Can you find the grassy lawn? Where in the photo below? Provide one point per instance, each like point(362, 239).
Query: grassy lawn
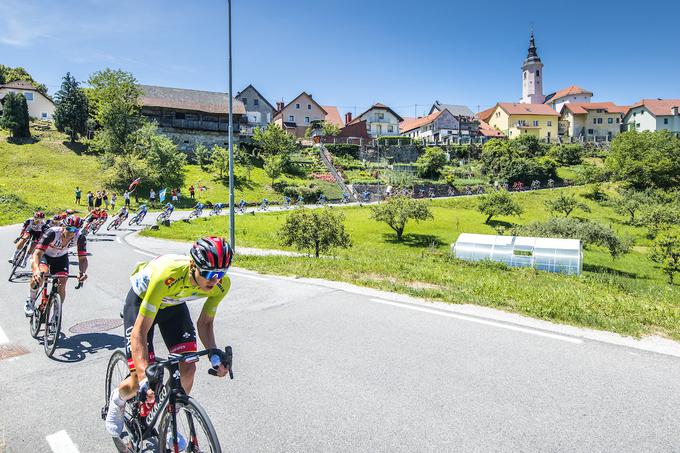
point(627, 295)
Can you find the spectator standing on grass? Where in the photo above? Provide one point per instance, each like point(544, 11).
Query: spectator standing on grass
point(90, 200)
point(113, 202)
point(98, 200)
point(78, 193)
point(126, 196)
point(173, 193)
point(152, 198)
point(191, 192)
point(179, 194)
point(105, 198)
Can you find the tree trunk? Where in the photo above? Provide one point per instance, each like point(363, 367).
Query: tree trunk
point(488, 218)
point(316, 246)
point(400, 232)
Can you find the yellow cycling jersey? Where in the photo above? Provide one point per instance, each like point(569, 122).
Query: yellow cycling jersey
point(165, 281)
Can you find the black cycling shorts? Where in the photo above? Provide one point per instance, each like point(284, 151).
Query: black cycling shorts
point(57, 265)
point(35, 235)
point(174, 322)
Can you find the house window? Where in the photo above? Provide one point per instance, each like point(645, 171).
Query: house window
point(291, 118)
point(297, 106)
point(306, 120)
point(590, 131)
point(368, 127)
point(179, 116)
point(255, 102)
point(390, 128)
point(617, 120)
point(549, 123)
point(610, 120)
point(599, 121)
point(29, 96)
point(637, 125)
point(538, 73)
point(665, 121)
point(381, 116)
point(594, 120)
point(43, 115)
point(525, 75)
point(309, 106)
point(245, 101)
point(535, 123)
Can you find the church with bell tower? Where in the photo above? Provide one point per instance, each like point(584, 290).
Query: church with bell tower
point(532, 76)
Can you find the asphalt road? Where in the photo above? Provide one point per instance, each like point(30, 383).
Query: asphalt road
point(323, 367)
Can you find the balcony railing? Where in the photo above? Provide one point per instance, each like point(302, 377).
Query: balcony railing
point(198, 125)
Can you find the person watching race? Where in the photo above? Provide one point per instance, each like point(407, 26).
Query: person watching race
point(160, 290)
point(33, 229)
point(51, 257)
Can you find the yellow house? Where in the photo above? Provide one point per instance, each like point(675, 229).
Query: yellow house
point(515, 119)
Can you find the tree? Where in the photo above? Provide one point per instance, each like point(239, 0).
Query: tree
point(397, 211)
point(71, 112)
point(666, 252)
point(273, 167)
point(114, 97)
point(630, 201)
point(203, 156)
point(567, 153)
point(528, 146)
point(565, 204)
point(646, 159)
point(164, 162)
point(496, 203)
point(15, 115)
point(431, 163)
point(220, 161)
point(317, 231)
point(659, 217)
point(327, 129)
point(274, 140)
point(8, 75)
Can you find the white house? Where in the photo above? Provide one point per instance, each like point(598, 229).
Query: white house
point(573, 93)
point(654, 115)
point(380, 120)
point(39, 105)
point(435, 128)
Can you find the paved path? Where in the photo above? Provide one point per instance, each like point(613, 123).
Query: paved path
point(324, 366)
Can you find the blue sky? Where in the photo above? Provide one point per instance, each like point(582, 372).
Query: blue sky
point(354, 53)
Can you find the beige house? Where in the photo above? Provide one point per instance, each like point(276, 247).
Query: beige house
point(591, 120)
point(515, 119)
point(39, 106)
point(299, 114)
point(380, 120)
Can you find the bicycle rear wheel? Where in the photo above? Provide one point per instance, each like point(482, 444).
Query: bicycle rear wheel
point(116, 371)
point(52, 324)
point(18, 260)
point(193, 424)
point(35, 321)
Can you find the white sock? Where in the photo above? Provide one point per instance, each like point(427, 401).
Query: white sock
point(116, 399)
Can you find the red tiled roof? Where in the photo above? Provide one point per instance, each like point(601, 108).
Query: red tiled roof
point(515, 108)
point(658, 106)
point(569, 91)
point(489, 131)
point(580, 108)
point(333, 115)
point(486, 114)
point(415, 123)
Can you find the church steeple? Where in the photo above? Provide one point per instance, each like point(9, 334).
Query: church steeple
point(532, 78)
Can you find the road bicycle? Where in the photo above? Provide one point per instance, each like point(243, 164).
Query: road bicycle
point(264, 206)
point(165, 215)
point(217, 209)
point(172, 412)
point(118, 221)
point(21, 258)
point(137, 218)
point(97, 225)
point(48, 310)
point(196, 213)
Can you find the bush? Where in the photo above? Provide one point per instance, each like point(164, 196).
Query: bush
point(589, 232)
point(587, 173)
point(527, 170)
point(307, 193)
point(666, 253)
point(343, 150)
point(387, 140)
point(659, 217)
point(567, 154)
point(431, 163)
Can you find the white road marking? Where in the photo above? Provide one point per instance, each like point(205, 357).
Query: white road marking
point(239, 274)
point(60, 442)
point(3, 337)
point(482, 321)
point(118, 240)
point(144, 253)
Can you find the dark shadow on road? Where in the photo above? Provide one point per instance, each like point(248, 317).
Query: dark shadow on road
point(78, 347)
point(415, 240)
point(100, 239)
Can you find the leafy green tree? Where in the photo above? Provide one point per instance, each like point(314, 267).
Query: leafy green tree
point(244, 158)
point(203, 156)
point(666, 253)
point(273, 140)
point(659, 217)
point(587, 173)
point(646, 159)
point(499, 202)
point(114, 98)
point(15, 115)
point(565, 204)
point(327, 129)
point(220, 161)
point(567, 153)
point(631, 201)
point(273, 167)
point(71, 112)
point(8, 75)
point(528, 146)
point(397, 211)
point(431, 163)
point(317, 231)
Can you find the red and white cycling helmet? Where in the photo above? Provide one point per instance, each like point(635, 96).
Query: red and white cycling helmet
point(39, 215)
point(212, 253)
point(72, 221)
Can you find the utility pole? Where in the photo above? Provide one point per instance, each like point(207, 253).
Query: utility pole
point(232, 239)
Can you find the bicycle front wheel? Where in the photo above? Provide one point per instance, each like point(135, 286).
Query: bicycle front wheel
point(36, 320)
point(18, 260)
point(116, 372)
point(193, 426)
point(52, 324)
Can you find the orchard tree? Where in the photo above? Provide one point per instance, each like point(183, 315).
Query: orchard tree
point(273, 167)
point(397, 211)
point(565, 204)
point(431, 163)
point(219, 158)
point(631, 201)
point(315, 231)
point(203, 156)
point(15, 115)
point(666, 253)
point(273, 140)
point(499, 202)
point(71, 112)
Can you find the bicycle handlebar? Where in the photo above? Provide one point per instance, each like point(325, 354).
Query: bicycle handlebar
point(50, 276)
point(225, 356)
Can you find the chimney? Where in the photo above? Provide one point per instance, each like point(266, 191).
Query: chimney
point(279, 106)
point(348, 117)
point(674, 110)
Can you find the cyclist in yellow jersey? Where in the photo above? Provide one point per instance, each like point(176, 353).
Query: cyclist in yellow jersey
point(159, 291)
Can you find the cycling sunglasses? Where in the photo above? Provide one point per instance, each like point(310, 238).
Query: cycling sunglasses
point(209, 275)
point(72, 229)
